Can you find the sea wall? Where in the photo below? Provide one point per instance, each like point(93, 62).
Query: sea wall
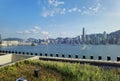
point(4, 59)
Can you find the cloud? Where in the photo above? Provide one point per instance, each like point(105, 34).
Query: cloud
point(63, 34)
point(69, 10)
point(57, 7)
point(27, 32)
point(37, 28)
point(79, 10)
point(44, 12)
point(75, 9)
point(45, 33)
point(52, 8)
point(94, 9)
point(63, 11)
point(55, 3)
point(34, 30)
point(24, 32)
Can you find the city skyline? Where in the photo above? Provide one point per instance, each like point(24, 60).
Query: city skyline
point(57, 18)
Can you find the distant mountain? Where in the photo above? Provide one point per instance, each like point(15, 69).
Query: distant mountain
point(31, 39)
point(115, 33)
point(13, 39)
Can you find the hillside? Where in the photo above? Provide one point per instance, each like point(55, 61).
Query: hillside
point(13, 39)
point(115, 33)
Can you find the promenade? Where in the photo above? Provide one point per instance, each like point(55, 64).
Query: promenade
point(101, 63)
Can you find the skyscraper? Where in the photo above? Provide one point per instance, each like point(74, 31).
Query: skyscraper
point(83, 35)
point(104, 37)
point(0, 39)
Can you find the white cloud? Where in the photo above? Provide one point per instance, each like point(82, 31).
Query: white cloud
point(27, 32)
point(69, 10)
point(63, 11)
point(79, 10)
point(97, 8)
point(24, 32)
point(51, 1)
point(52, 8)
point(93, 9)
point(86, 12)
point(37, 28)
point(55, 3)
point(34, 30)
point(44, 12)
point(45, 33)
point(63, 34)
point(54, 11)
point(55, 7)
point(74, 9)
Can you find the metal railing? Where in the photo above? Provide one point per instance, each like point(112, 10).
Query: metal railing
point(76, 56)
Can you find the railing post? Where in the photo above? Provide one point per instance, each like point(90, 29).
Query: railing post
point(46, 54)
point(23, 53)
point(19, 52)
point(3, 51)
point(9, 51)
point(51, 55)
point(57, 55)
point(63, 55)
point(118, 58)
point(76, 56)
point(31, 53)
point(108, 58)
point(26, 53)
point(15, 52)
point(69, 56)
point(84, 57)
point(40, 54)
point(91, 57)
point(36, 54)
point(99, 57)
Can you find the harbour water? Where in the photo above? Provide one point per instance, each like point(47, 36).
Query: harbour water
point(89, 50)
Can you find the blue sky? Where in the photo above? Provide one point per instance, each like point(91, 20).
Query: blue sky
point(57, 18)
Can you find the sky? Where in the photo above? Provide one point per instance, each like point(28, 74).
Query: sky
point(57, 18)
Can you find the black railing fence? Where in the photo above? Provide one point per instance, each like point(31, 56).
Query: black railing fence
point(76, 56)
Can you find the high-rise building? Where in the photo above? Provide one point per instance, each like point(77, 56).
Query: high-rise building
point(104, 37)
point(0, 39)
point(87, 39)
point(97, 39)
point(83, 35)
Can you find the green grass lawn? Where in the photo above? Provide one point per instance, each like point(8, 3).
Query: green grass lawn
point(57, 71)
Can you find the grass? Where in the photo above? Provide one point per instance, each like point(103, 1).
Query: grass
point(57, 71)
